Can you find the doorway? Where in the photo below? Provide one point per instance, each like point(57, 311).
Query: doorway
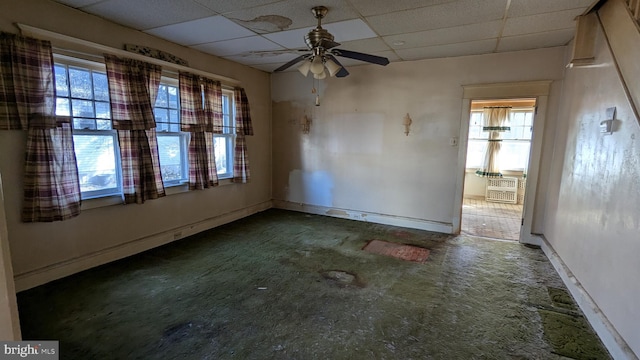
point(533, 202)
point(497, 159)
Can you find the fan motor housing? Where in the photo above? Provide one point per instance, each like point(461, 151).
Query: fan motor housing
point(318, 38)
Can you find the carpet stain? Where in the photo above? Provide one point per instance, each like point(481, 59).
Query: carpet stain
point(342, 278)
point(289, 285)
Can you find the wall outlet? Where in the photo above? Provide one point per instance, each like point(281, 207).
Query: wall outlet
point(453, 141)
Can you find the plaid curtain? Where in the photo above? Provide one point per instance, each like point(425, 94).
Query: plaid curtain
point(198, 116)
point(27, 102)
point(133, 88)
point(244, 127)
point(496, 120)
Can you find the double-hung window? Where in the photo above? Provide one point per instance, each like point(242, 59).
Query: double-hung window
point(223, 143)
point(82, 92)
point(172, 143)
point(515, 145)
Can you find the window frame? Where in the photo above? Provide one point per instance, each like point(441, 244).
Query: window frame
point(229, 134)
point(183, 136)
point(92, 67)
point(96, 64)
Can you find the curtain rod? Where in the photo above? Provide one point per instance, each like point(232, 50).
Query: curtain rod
point(28, 30)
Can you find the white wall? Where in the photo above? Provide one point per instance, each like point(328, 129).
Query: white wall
point(592, 218)
point(358, 159)
point(91, 238)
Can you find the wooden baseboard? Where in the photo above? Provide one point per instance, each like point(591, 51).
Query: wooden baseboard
point(56, 271)
point(610, 337)
point(385, 219)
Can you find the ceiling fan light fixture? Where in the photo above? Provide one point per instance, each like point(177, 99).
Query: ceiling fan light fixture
point(304, 68)
point(320, 76)
point(317, 67)
point(332, 67)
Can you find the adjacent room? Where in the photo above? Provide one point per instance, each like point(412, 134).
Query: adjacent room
point(496, 167)
point(352, 179)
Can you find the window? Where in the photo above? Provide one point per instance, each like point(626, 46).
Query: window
point(514, 152)
point(172, 143)
point(223, 143)
point(82, 92)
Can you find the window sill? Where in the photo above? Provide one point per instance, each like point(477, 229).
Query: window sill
point(504, 172)
point(99, 202)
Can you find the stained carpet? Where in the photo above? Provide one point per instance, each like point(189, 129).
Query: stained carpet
point(399, 251)
point(286, 285)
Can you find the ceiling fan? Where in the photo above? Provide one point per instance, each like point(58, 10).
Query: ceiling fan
point(323, 52)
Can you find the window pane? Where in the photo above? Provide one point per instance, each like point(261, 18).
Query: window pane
point(103, 111)
point(173, 97)
point(174, 128)
point(161, 115)
point(103, 124)
point(62, 107)
point(82, 108)
point(95, 156)
point(514, 155)
point(517, 119)
point(173, 117)
point(170, 152)
point(161, 100)
point(100, 86)
point(62, 86)
point(220, 151)
point(80, 83)
point(528, 119)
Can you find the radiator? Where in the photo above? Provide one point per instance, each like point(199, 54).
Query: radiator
point(503, 190)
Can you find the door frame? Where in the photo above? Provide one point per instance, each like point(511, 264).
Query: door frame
point(530, 89)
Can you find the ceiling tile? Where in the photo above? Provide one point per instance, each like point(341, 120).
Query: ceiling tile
point(78, 3)
point(238, 46)
point(534, 41)
point(365, 45)
point(147, 14)
point(376, 7)
point(528, 7)
point(270, 67)
point(541, 22)
point(298, 14)
point(201, 31)
point(265, 58)
point(460, 49)
point(451, 14)
point(224, 6)
point(342, 31)
point(443, 36)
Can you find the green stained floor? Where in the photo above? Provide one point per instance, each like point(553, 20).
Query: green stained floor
point(287, 285)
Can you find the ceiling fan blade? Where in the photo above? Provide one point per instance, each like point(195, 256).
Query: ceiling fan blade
point(292, 62)
point(343, 71)
point(361, 56)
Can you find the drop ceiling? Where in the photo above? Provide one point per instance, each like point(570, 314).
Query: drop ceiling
point(259, 33)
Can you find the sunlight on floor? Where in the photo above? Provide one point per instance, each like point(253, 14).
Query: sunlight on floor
point(491, 219)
